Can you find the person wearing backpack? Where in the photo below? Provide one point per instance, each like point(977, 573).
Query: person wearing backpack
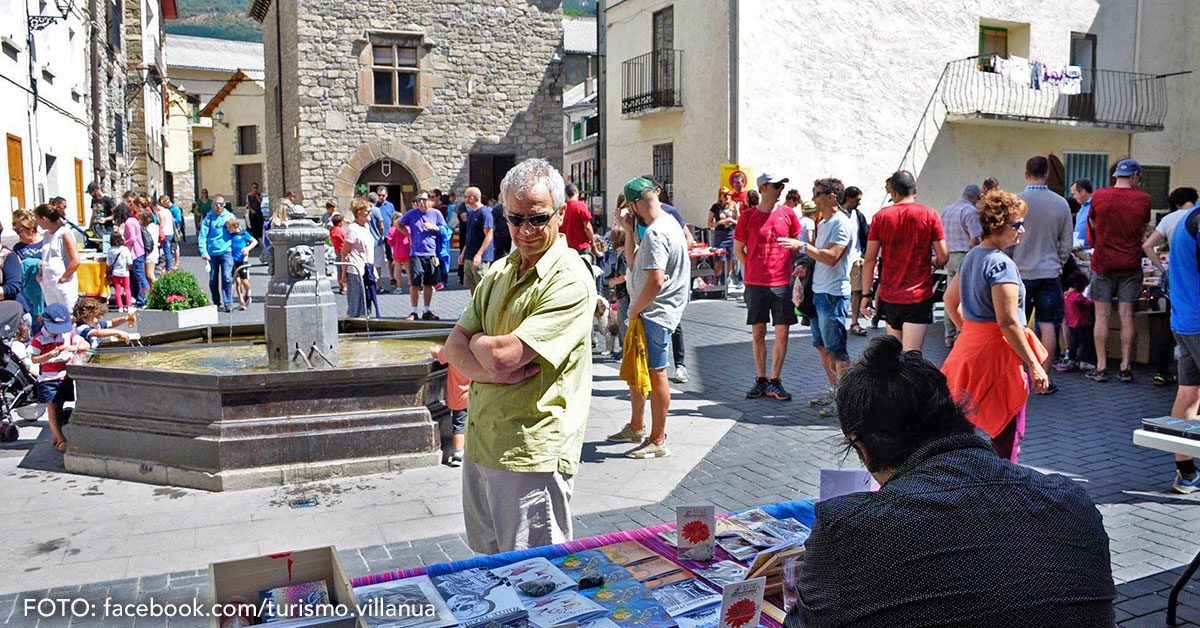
point(150, 235)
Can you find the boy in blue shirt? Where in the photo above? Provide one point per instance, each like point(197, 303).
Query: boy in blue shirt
point(242, 244)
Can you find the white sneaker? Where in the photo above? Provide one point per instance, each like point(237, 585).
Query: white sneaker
point(681, 375)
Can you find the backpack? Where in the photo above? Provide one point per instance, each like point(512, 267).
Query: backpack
point(147, 241)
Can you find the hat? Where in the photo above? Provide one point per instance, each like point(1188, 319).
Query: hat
point(56, 319)
point(808, 207)
point(765, 178)
point(1127, 168)
point(637, 187)
point(92, 187)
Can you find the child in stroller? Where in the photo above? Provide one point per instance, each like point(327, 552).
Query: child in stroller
point(18, 384)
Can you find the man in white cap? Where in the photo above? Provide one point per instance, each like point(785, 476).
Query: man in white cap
point(767, 266)
point(1116, 223)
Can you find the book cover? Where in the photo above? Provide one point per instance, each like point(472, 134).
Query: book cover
point(751, 519)
point(560, 608)
point(627, 553)
point(404, 604)
point(654, 583)
point(696, 537)
point(574, 565)
point(535, 569)
point(478, 596)
point(294, 600)
point(789, 530)
point(651, 569)
point(741, 604)
point(703, 618)
point(680, 598)
point(630, 605)
point(739, 548)
point(722, 573)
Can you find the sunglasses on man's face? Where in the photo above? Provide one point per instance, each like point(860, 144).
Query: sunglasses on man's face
point(1017, 225)
point(537, 220)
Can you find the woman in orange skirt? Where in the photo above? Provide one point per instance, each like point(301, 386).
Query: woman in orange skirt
point(994, 350)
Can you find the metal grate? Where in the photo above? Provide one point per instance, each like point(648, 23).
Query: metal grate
point(1109, 98)
point(651, 81)
point(664, 170)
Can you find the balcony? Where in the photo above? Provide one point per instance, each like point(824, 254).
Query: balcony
point(650, 83)
point(973, 92)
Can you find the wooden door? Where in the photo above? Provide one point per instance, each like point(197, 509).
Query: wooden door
point(79, 192)
point(16, 171)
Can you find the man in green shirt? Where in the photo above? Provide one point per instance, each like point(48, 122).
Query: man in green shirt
point(525, 343)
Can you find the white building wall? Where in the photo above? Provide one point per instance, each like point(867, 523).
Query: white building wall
point(699, 131)
point(59, 125)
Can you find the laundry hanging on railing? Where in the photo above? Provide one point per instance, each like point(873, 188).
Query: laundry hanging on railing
point(1036, 75)
point(1067, 78)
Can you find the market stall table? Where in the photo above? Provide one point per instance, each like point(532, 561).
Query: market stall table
point(799, 510)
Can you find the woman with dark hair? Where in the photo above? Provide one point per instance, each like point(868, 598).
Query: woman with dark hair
point(987, 366)
point(954, 536)
point(722, 218)
point(60, 259)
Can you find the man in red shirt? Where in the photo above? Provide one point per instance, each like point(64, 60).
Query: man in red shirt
point(767, 265)
point(901, 238)
point(1116, 224)
point(577, 222)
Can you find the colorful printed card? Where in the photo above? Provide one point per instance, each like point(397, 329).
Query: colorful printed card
point(627, 553)
point(741, 604)
point(751, 519)
point(574, 565)
point(651, 569)
point(535, 569)
point(561, 608)
point(696, 537)
point(294, 600)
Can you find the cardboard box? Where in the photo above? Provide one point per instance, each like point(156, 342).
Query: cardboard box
point(248, 576)
point(1150, 330)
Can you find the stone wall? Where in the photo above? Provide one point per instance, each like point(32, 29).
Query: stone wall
point(145, 143)
point(111, 171)
point(485, 88)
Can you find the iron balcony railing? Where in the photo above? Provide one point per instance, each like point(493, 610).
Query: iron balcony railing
point(651, 81)
point(1107, 98)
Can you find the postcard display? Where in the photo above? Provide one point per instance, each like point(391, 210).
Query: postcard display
point(627, 585)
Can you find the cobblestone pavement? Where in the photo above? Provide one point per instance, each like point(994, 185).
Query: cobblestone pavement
point(775, 451)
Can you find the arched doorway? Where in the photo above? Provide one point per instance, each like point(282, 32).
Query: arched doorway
point(400, 183)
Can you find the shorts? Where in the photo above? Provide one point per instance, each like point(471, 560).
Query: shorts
point(856, 275)
point(458, 421)
point(506, 510)
point(770, 304)
point(723, 240)
point(830, 328)
point(1044, 297)
point(56, 391)
point(897, 314)
point(1120, 288)
point(472, 275)
point(658, 345)
point(423, 272)
point(237, 265)
point(1189, 359)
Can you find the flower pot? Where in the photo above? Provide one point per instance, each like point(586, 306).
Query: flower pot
point(158, 321)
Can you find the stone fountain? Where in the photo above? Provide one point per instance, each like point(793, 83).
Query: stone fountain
point(216, 408)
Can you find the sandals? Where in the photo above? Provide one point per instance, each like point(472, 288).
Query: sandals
point(59, 443)
point(857, 331)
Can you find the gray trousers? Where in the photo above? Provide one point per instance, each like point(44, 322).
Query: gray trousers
point(951, 332)
point(506, 510)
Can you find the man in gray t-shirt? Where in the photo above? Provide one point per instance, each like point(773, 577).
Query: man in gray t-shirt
point(658, 277)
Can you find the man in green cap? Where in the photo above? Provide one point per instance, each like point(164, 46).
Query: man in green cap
point(658, 278)
point(525, 341)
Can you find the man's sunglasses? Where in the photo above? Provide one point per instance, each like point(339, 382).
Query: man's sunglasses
point(536, 220)
point(1017, 225)
point(420, 199)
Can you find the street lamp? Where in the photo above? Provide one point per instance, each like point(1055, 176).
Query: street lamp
point(39, 22)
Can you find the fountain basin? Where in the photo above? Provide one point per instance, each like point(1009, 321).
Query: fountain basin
point(204, 418)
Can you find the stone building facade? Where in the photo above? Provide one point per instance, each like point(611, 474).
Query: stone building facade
point(412, 94)
point(110, 128)
point(146, 96)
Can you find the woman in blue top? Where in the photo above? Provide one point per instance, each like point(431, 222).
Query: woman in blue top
point(985, 301)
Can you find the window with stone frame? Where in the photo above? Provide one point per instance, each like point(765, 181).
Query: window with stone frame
point(390, 72)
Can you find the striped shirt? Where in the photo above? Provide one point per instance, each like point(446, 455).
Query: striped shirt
point(960, 222)
point(44, 342)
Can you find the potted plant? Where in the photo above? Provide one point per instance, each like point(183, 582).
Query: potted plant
point(176, 302)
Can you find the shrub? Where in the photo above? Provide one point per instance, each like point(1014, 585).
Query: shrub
point(177, 290)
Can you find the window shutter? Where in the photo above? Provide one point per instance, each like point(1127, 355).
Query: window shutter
point(366, 83)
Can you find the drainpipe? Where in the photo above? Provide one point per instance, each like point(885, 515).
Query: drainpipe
point(279, 99)
point(1137, 33)
point(601, 112)
point(732, 148)
point(94, 51)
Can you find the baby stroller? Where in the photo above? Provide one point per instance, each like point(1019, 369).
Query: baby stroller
point(17, 385)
